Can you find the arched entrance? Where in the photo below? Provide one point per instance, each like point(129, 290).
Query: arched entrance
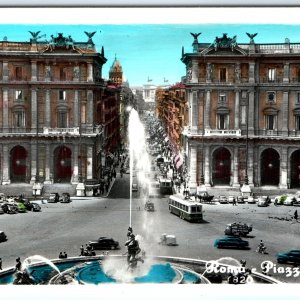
point(295, 169)
point(269, 167)
point(221, 167)
point(18, 156)
point(62, 164)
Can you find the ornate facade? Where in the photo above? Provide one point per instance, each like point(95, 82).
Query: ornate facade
point(244, 113)
point(50, 94)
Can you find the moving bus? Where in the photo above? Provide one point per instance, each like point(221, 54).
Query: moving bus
point(185, 209)
point(165, 186)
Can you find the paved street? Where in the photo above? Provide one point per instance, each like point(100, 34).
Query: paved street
point(65, 227)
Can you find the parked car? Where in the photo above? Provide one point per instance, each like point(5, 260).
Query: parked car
point(290, 200)
point(35, 207)
point(53, 198)
point(65, 198)
point(104, 243)
point(263, 202)
point(240, 199)
point(231, 199)
point(9, 208)
point(223, 199)
point(21, 208)
point(1, 211)
point(231, 241)
point(292, 256)
point(3, 236)
point(205, 197)
point(251, 200)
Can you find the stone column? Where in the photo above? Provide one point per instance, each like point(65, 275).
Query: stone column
point(237, 110)
point(5, 71)
point(90, 72)
point(47, 109)
point(193, 167)
point(286, 72)
point(75, 164)
point(195, 111)
point(76, 108)
point(90, 107)
point(89, 167)
point(250, 165)
point(283, 168)
point(207, 166)
point(5, 165)
point(250, 113)
point(33, 152)
point(33, 70)
point(235, 181)
point(208, 72)
point(237, 71)
point(285, 112)
point(207, 111)
point(195, 72)
point(47, 165)
point(251, 72)
point(33, 110)
point(5, 110)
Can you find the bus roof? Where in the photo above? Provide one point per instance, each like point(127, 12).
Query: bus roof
point(180, 198)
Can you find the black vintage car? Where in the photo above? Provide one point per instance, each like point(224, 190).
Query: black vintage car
point(3, 236)
point(104, 243)
point(54, 197)
point(204, 197)
point(9, 208)
point(65, 198)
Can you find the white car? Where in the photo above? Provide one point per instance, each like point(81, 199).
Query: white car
point(223, 200)
point(231, 199)
point(290, 200)
point(250, 199)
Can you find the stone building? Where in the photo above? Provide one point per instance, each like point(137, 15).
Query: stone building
point(51, 92)
point(244, 113)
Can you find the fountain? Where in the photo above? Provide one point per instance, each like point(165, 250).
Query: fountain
point(137, 267)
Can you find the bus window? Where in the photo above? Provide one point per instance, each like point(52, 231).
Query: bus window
point(193, 209)
point(198, 208)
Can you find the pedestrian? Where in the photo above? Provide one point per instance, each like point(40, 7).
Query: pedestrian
point(81, 250)
point(234, 201)
point(60, 255)
point(65, 255)
point(18, 264)
point(296, 215)
point(0, 263)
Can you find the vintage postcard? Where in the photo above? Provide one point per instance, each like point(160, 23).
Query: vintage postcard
point(150, 152)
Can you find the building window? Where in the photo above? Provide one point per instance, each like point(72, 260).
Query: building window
point(62, 74)
point(270, 122)
point(271, 97)
point(62, 119)
point(83, 114)
point(298, 98)
point(244, 94)
point(271, 75)
point(18, 95)
point(18, 71)
point(223, 121)
point(223, 74)
point(19, 119)
point(298, 123)
point(62, 95)
point(222, 98)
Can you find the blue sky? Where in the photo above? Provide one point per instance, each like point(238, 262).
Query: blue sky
point(152, 50)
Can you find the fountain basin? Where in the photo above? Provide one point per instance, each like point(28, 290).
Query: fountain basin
point(88, 270)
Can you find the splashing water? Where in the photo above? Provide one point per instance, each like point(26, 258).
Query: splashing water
point(38, 258)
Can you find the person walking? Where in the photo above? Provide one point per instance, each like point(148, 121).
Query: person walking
point(18, 264)
point(0, 263)
point(296, 215)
